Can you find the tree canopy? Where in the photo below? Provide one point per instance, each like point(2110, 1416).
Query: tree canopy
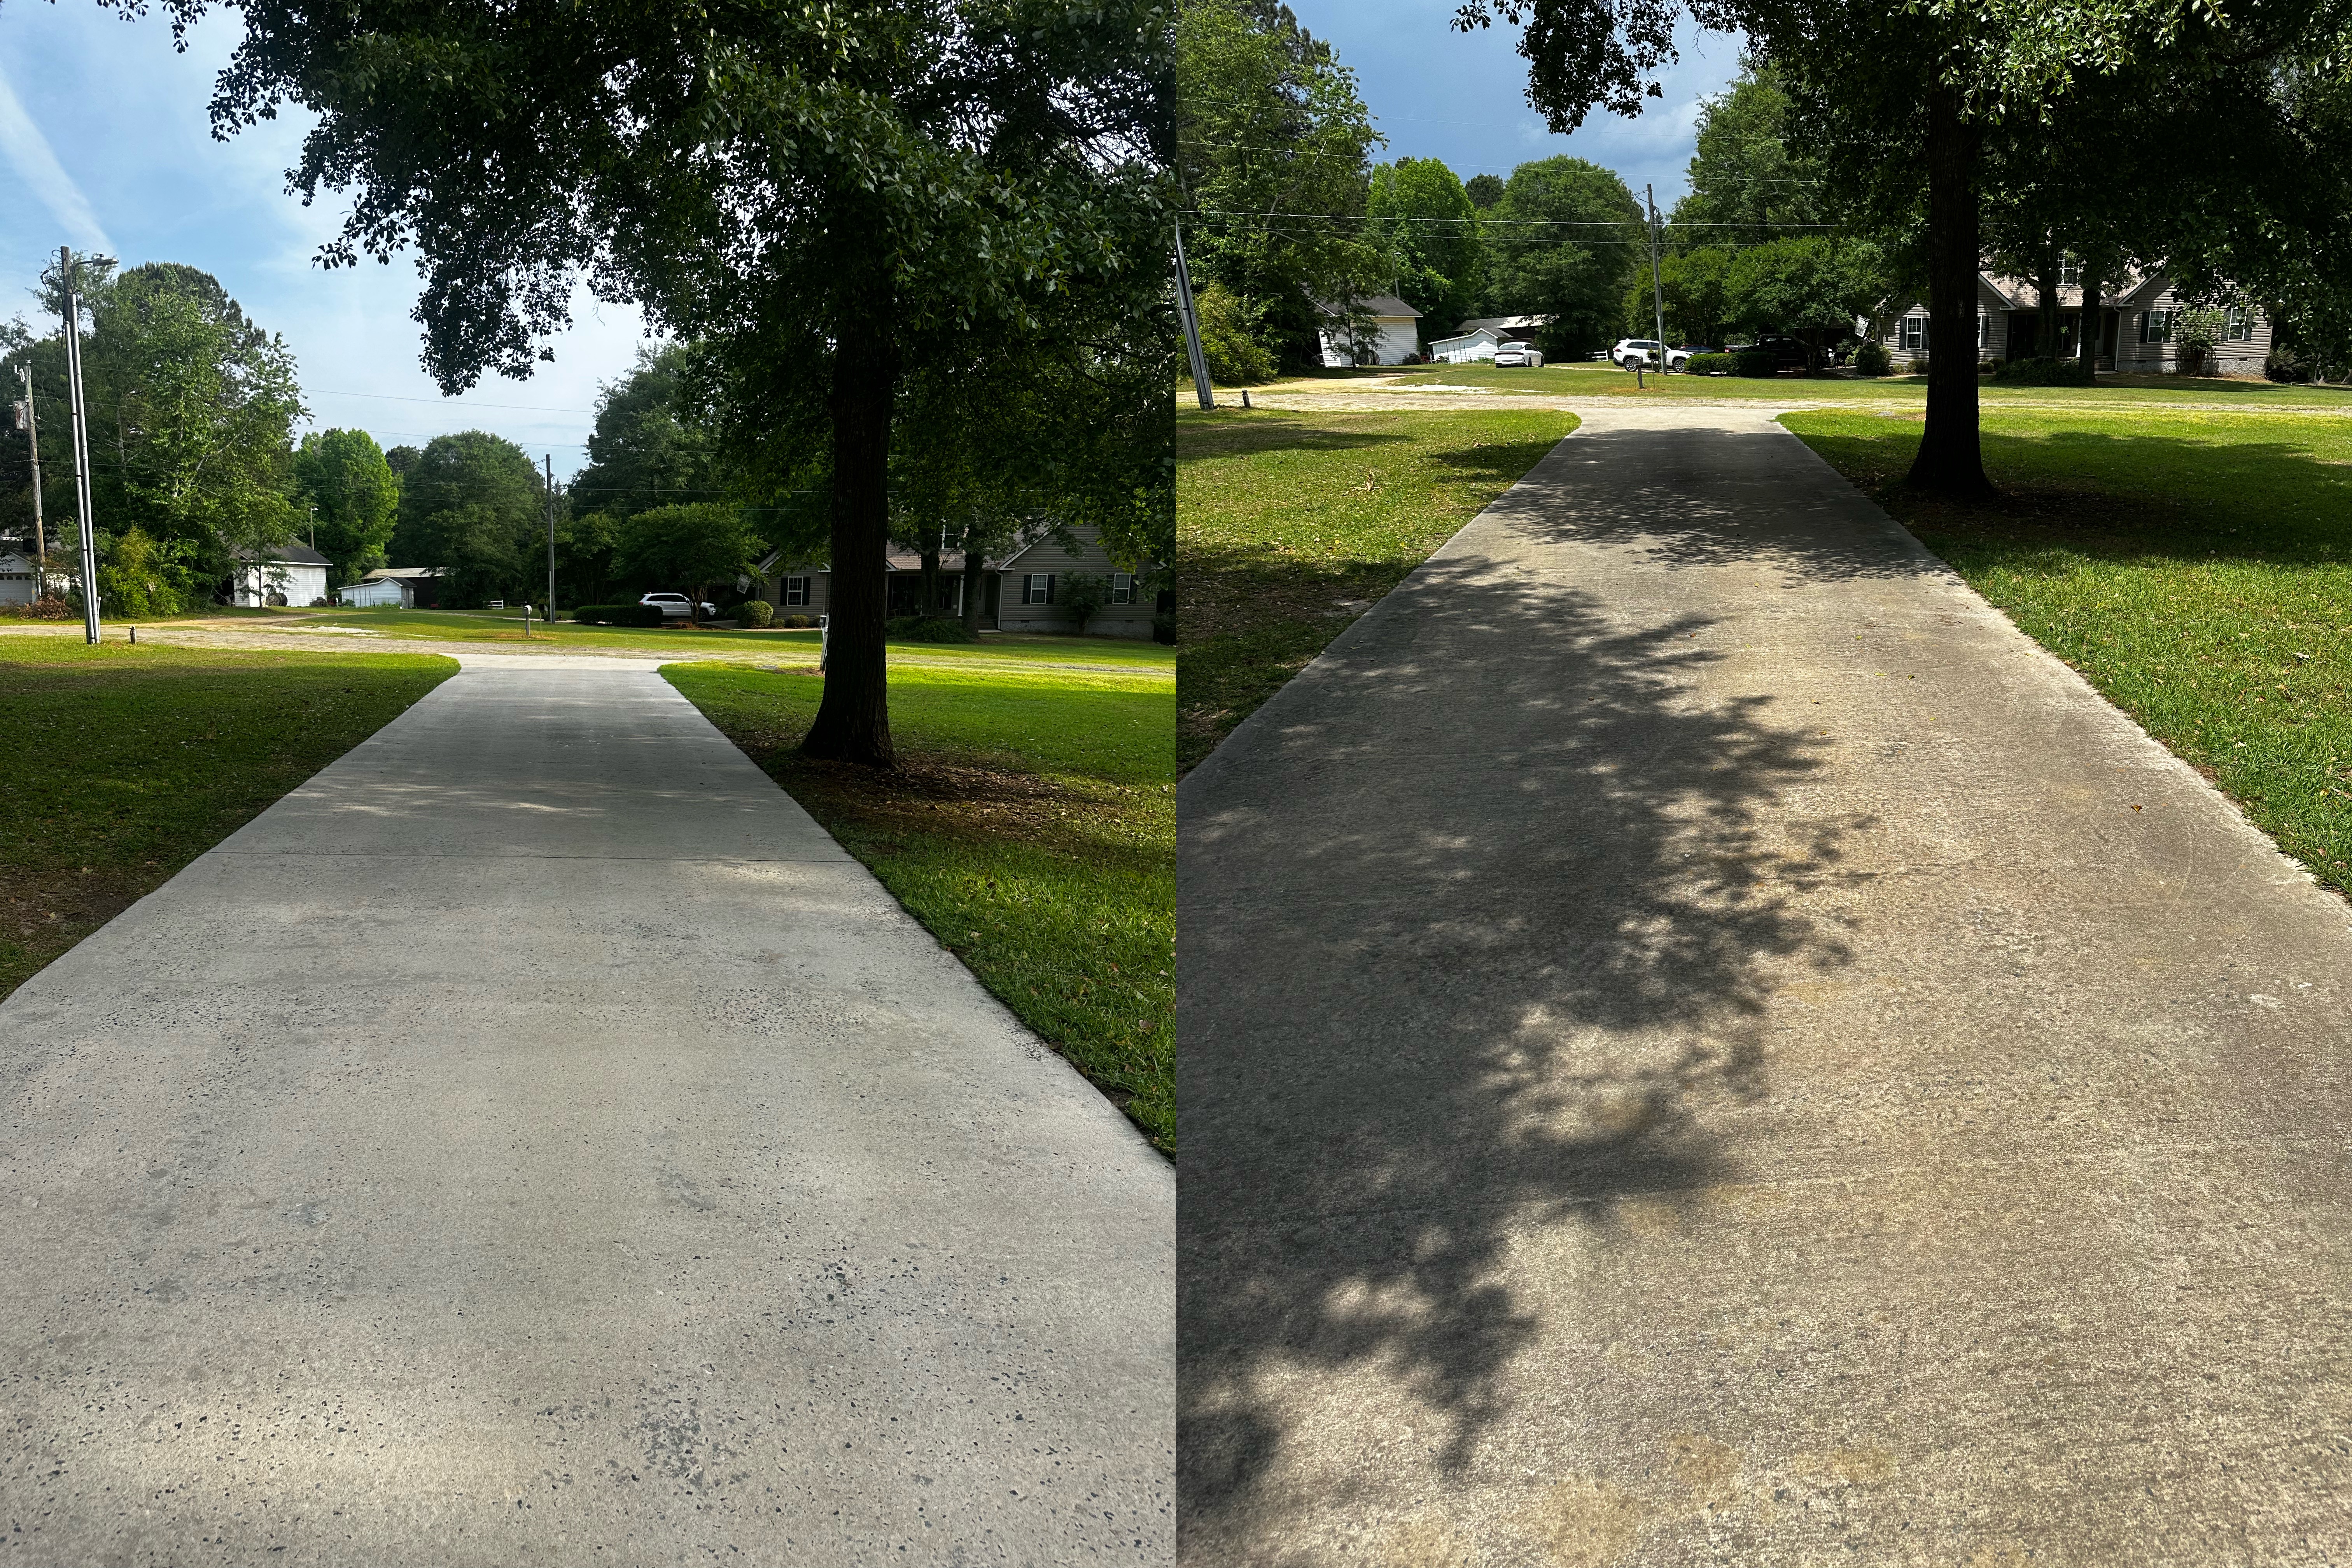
point(1566, 240)
point(344, 475)
point(1424, 217)
point(473, 504)
point(818, 194)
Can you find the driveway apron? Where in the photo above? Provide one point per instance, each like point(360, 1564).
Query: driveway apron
point(1702, 1044)
point(535, 1140)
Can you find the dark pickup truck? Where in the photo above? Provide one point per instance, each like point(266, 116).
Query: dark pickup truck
point(1787, 352)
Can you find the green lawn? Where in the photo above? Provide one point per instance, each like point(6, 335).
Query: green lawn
point(1032, 828)
point(2197, 568)
point(1290, 524)
point(692, 642)
point(1604, 381)
point(125, 764)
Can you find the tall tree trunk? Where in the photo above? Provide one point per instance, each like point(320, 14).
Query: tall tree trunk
point(972, 576)
point(1952, 459)
point(853, 719)
point(2045, 309)
point(932, 575)
point(2088, 331)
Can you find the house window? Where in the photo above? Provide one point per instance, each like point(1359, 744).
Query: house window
point(1984, 330)
point(796, 590)
point(2070, 275)
point(1911, 334)
point(1122, 588)
point(1037, 589)
point(2156, 326)
point(2241, 327)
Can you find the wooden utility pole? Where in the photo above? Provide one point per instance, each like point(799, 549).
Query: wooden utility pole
point(1657, 289)
point(549, 458)
point(1191, 319)
point(40, 533)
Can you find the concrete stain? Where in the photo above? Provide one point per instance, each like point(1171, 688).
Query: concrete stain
point(1586, 1524)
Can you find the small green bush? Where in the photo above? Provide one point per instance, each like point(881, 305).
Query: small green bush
point(1712, 365)
point(1758, 362)
point(929, 628)
point(799, 623)
point(2044, 371)
point(1229, 339)
point(755, 613)
point(1873, 360)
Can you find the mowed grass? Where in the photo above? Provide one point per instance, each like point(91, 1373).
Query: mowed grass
point(1589, 380)
point(1290, 524)
point(683, 641)
point(125, 764)
point(2197, 568)
point(1031, 828)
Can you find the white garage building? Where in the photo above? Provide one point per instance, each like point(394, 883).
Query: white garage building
point(15, 578)
point(288, 575)
point(398, 588)
point(1395, 337)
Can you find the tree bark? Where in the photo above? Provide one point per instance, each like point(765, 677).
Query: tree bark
point(853, 719)
point(2045, 308)
point(973, 577)
point(1952, 459)
point(931, 592)
point(2086, 327)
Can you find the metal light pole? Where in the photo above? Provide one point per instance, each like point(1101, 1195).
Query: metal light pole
point(549, 458)
point(80, 448)
point(1657, 289)
point(40, 533)
point(1192, 320)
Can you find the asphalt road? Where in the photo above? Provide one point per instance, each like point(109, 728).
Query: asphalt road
point(1703, 1044)
point(535, 1140)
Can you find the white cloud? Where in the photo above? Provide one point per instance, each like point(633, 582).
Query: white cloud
point(29, 154)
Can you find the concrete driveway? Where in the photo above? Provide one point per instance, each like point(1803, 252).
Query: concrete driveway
point(1703, 1044)
point(535, 1140)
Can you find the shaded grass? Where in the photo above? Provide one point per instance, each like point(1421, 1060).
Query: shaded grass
point(125, 764)
point(1031, 828)
point(1289, 525)
point(690, 642)
point(1604, 381)
point(2196, 568)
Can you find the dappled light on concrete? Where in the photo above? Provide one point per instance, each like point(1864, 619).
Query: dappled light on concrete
point(1689, 1055)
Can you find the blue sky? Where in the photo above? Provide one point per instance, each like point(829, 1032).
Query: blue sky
point(104, 146)
point(1463, 97)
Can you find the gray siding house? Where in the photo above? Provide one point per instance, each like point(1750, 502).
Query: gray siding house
point(2135, 327)
point(1019, 592)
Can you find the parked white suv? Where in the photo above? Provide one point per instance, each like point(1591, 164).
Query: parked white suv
point(677, 605)
point(1630, 351)
point(1526, 355)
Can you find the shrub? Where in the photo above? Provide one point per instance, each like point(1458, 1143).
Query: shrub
point(1081, 595)
point(2044, 371)
point(1229, 339)
point(929, 628)
point(799, 623)
point(1163, 628)
point(1871, 359)
point(617, 616)
point(755, 613)
point(1758, 362)
point(1711, 364)
point(2285, 365)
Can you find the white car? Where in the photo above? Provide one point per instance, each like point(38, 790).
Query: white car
point(1526, 355)
point(1630, 351)
point(676, 607)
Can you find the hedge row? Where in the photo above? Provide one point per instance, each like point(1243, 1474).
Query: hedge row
point(1711, 364)
point(618, 615)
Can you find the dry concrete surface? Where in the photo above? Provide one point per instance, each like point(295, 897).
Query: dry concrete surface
point(1703, 1044)
point(534, 1141)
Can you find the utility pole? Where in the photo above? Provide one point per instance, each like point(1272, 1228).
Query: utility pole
point(80, 414)
point(549, 458)
point(1192, 321)
point(1657, 289)
point(314, 526)
point(40, 533)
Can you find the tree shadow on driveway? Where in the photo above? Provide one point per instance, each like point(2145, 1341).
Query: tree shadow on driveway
point(1480, 919)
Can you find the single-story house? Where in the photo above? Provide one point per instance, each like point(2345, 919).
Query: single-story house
point(2136, 325)
point(1396, 337)
point(1018, 591)
point(17, 578)
point(401, 587)
point(284, 575)
point(1507, 329)
point(1478, 345)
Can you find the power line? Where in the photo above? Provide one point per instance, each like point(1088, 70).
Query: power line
point(1502, 223)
